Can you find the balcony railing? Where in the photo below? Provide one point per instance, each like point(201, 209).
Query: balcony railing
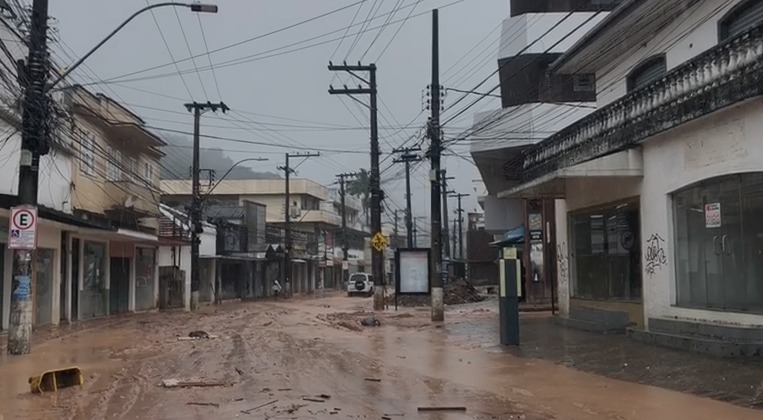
point(125, 193)
point(727, 74)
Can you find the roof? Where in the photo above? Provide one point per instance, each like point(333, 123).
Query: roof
point(629, 25)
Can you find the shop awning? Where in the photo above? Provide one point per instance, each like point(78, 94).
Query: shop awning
point(624, 164)
point(513, 236)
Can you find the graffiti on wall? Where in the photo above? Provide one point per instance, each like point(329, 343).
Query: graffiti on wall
point(562, 259)
point(655, 254)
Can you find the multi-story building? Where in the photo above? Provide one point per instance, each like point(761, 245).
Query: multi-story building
point(658, 192)
point(97, 201)
point(115, 184)
point(311, 222)
point(534, 106)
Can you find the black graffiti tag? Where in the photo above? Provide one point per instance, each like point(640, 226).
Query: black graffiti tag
point(655, 254)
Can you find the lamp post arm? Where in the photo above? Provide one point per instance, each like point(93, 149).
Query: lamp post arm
point(74, 66)
point(231, 169)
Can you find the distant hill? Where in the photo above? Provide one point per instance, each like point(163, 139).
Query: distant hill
point(179, 154)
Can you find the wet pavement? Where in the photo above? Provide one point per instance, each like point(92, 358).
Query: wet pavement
point(311, 359)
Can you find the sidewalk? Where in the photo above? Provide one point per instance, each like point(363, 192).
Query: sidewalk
point(737, 381)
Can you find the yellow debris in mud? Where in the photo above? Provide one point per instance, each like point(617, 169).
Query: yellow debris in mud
point(53, 380)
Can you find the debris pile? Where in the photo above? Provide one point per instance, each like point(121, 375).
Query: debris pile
point(456, 292)
point(460, 291)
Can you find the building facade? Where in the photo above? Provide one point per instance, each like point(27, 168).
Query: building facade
point(309, 220)
point(658, 192)
point(534, 105)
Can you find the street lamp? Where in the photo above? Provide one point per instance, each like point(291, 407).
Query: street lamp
point(257, 159)
point(195, 7)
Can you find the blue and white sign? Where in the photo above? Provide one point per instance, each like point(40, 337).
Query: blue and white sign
point(22, 232)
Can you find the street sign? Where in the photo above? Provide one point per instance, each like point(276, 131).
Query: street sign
point(379, 242)
point(22, 232)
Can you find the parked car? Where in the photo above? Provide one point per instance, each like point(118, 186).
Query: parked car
point(360, 284)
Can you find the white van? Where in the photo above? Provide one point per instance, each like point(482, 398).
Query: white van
point(360, 284)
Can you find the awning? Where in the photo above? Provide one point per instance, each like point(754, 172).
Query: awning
point(125, 235)
point(513, 236)
point(624, 164)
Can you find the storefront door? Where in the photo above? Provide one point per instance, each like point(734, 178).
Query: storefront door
point(119, 291)
point(94, 280)
point(43, 287)
point(718, 244)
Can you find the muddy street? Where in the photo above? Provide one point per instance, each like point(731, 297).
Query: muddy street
point(312, 359)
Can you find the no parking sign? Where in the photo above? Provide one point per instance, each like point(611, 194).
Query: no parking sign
point(23, 228)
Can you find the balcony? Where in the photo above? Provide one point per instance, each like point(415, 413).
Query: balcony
point(124, 195)
point(727, 74)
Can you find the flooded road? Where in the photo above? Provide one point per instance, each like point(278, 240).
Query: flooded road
point(311, 359)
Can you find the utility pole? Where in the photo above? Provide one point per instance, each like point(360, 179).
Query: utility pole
point(460, 225)
point(345, 240)
point(377, 256)
point(395, 242)
point(198, 108)
point(286, 168)
point(407, 157)
point(34, 143)
point(455, 229)
point(436, 271)
point(444, 191)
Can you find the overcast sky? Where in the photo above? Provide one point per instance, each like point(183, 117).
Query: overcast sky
point(278, 93)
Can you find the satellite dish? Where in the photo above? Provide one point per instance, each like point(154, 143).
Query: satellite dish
point(130, 201)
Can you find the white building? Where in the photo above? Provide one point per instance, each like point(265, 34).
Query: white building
point(659, 192)
point(534, 106)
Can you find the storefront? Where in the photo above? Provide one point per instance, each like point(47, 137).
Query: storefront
point(145, 275)
point(93, 298)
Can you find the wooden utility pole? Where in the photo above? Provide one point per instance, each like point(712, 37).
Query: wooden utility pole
point(395, 242)
point(286, 168)
point(436, 271)
point(407, 156)
point(377, 256)
point(196, 225)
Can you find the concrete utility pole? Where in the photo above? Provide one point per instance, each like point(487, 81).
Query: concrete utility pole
point(436, 271)
point(455, 238)
point(286, 168)
point(407, 157)
point(460, 225)
point(34, 143)
point(197, 228)
point(444, 191)
point(395, 242)
point(377, 256)
point(345, 240)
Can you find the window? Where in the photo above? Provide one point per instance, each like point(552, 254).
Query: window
point(148, 173)
point(718, 240)
point(606, 253)
point(741, 19)
point(647, 72)
point(583, 83)
point(113, 162)
point(132, 170)
point(87, 152)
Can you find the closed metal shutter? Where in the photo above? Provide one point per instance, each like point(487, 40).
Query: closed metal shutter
point(647, 73)
point(742, 19)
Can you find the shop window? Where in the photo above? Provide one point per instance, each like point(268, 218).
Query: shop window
point(145, 266)
point(44, 286)
point(93, 295)
point(606, 254)
point(719, 243)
